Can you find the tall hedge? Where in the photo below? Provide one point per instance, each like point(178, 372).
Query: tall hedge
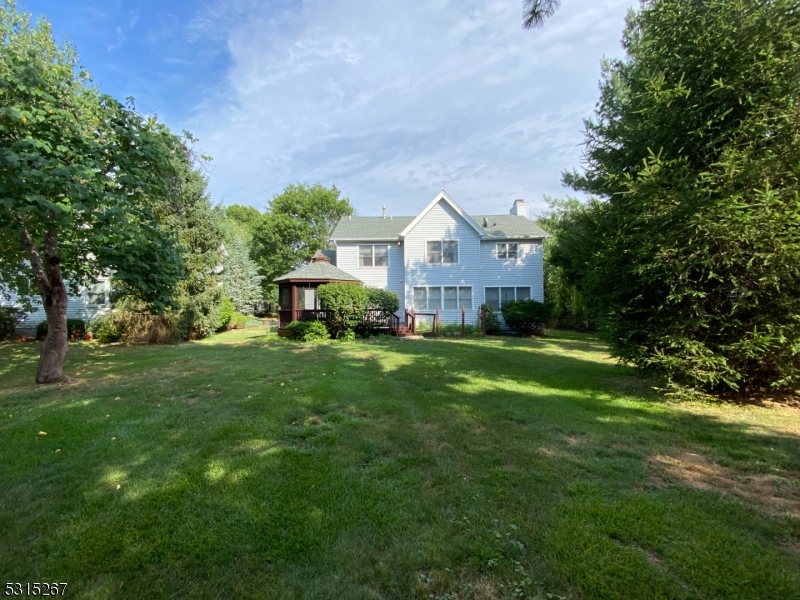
point(692, 256)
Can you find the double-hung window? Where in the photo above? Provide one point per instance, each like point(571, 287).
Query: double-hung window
point(497, 296)
point(443, 252)
point(443, 298)
point(373, 256)
point(508, 251)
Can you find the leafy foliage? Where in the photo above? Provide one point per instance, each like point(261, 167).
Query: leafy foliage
point(75, 327)
point(527, 316)
point(694, 259)
point(345, 304)
point(308, 331)
point(132, 322)
point(298, 223)
point(81, 177)
point(492, 320)
point(237, 321)
point(566, 250)
point(240, 279)
point(10, 316)
point(226, 311)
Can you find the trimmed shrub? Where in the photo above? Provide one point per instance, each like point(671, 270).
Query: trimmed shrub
point(10, 316)
point(237, 321)
point(308, 331)
point(106, 328)
point(527, 316)
point(226, 312)
point(492, 320)
point(345, 304)
point(74, 327)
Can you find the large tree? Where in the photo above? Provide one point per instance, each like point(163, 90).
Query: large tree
point(694, 258)
point(79, 178)
point(299, 222)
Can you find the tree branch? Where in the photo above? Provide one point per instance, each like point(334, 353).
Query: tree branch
point(36, 263)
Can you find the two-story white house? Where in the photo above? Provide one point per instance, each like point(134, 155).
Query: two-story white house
point(444, 258)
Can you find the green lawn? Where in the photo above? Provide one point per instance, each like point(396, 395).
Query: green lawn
point(245, 466)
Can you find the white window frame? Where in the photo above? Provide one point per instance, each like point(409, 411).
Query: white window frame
point(441, 253)
point(500, 295)
point(441, 295)
point(374, 266)
point(506, 257)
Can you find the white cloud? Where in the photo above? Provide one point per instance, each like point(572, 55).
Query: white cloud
point(394, 101)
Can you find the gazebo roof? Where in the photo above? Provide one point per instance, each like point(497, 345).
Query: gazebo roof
point(319, 269)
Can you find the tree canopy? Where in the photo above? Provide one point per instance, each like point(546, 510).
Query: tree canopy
point(694, 256)
point(299, 222)
point(81, 176)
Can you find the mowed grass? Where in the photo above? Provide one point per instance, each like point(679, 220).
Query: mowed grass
point(249, 467)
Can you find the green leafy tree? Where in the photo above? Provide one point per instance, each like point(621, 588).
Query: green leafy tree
point(239, 222)
point(346, 304)
point(80, 176)
point(299, 222)
point(694, 257)
point(240, 279)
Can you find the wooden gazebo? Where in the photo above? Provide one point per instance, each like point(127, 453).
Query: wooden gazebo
point(297, 297)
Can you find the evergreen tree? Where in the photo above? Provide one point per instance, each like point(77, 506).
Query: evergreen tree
point(694, 257)
point(240, 279)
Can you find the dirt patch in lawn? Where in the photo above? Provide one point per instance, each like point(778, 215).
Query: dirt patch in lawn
point(777, 495)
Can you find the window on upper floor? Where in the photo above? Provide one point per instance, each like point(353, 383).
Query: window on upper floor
point(373, 256)
point(497, 296)
point(444, 252)
point(507, 251)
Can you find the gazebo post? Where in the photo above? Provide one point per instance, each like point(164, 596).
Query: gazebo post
point(294, 302)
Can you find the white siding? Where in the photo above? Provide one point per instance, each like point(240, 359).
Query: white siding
point(526, 270)
point(443, 223)
point(78, 307)
point(386, 278)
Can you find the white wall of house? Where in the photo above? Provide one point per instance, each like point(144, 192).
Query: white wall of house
point(390, 278)
point(525, 270)
point(442, 222)
point(92, 301)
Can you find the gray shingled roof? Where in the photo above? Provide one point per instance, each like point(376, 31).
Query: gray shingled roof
point(318, 270)
point(370, 228)
point(378, 228)
point(510, 226)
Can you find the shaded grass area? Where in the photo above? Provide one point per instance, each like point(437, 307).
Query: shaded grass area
point(250, 467)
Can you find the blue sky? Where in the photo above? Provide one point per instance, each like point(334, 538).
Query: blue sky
point(391, 101)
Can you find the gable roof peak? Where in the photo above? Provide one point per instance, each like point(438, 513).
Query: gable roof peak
point(442, 196)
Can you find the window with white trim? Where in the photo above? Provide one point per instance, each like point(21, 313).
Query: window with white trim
point(442, 252)
point(508, 251)
point(497, 296)
point(446, 298)
point(373, 256)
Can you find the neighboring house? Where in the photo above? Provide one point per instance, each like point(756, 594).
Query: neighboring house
point(443, 258)
point(91, 301)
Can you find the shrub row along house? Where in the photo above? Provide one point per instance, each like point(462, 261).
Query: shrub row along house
point(441, 259)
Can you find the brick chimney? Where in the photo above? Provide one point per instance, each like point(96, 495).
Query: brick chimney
point(520, 208)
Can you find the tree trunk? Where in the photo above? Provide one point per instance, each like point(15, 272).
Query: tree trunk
point(54, 347)
point(51, 286)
